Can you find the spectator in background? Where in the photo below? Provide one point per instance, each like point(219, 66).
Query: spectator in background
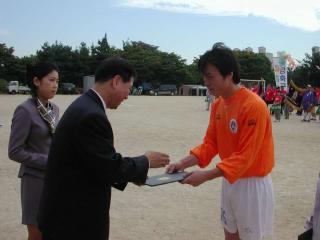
point(283, 93)
point(269, 95)
point(277, 106)
point(308, 101)
point(315, 104)
point(255, 89)
point(299, 102)
point(208, 100)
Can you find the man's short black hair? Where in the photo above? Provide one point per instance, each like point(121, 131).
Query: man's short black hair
point(113, 66)
point(223, 59)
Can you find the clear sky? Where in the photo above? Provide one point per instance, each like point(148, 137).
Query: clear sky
point(187, 28)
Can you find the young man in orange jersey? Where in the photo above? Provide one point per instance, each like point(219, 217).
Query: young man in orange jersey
point(240, 132)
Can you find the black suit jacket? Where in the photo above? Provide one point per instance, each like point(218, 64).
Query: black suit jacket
point(82, 166)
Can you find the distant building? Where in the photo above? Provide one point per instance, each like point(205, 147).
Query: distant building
point(248, 49)
point(315, 50)
point(281, 53)
point(262, 50)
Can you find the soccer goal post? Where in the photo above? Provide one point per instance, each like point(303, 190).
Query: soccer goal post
point(250, 83)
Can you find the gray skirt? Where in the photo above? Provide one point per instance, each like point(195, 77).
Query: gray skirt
point(31, 190)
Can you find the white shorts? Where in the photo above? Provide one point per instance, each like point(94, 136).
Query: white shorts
point(247, 207)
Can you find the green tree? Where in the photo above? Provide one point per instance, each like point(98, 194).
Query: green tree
point(144, 58)
point(9, 64)
point(65, 58)
point(21, 67)
point(100, 52)
point(195, 76)
point(255, 66)
point(3, 86)
point(308, 72)
point(81, 64)
point(174, 70)
point(155, 66)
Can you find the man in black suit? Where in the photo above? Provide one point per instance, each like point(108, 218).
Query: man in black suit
point(83, 164)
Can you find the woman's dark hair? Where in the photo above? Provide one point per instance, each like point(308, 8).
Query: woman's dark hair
point(39, 71)
point(115, 66)
point(223, 59)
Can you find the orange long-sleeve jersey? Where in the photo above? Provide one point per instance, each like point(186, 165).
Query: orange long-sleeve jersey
point(240, 131)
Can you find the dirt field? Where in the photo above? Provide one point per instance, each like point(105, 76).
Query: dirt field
point(174, 211)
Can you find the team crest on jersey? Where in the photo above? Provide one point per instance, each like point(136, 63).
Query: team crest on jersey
point(233, 126)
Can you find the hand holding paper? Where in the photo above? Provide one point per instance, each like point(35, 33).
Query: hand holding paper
point(198, 177)
point(174, 167)
point(184, 163)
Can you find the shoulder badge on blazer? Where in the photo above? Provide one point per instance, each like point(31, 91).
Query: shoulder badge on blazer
point(233, 126)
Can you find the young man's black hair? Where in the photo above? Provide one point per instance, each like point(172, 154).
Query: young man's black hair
point(223, 59)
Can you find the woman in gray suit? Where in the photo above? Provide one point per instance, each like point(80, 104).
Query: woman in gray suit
point(33, 125)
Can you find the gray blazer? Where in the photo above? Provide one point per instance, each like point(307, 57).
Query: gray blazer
point(30, 139)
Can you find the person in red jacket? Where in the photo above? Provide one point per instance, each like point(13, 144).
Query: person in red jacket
point(269, 95)
point(240, 131)
point(277, 105)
